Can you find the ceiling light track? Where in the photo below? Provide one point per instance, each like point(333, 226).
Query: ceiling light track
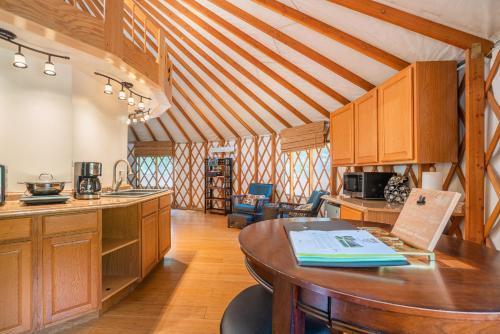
point(20, 59)
point(122, 95)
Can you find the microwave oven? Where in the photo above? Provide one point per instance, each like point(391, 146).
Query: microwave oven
point(366, 185)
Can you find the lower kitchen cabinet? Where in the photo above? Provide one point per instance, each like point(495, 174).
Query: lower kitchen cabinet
point(164, 232)
point(149, 242)
point(349, 213)
point(71, 275)
point(16, 287)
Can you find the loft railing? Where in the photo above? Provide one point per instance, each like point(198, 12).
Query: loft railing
point(94, 8)
point(139, 31)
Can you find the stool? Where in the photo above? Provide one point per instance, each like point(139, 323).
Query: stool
point(250, 312)
point(239, 220)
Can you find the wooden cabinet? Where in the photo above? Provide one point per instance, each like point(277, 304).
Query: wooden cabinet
point(149, 242)
point(342, 135)
point(365, 129)
point(71, 275)
point(16, 287)
point(410, 118)
point(349, 213)
point(395, 117)
point(164, 232)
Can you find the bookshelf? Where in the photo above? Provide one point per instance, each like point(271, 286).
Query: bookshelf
point(218, 185)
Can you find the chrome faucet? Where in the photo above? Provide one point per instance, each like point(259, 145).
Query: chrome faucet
point(116, 184)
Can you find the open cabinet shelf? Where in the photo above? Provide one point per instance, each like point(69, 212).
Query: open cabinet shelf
point(111, 285)
point(110, 245)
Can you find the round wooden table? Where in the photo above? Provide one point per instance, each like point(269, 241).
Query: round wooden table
point(457, 293)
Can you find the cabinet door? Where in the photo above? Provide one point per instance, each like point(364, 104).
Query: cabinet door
point(15, 288)
point(71, 275)
point(342, 135)
point(365, 129)
point(348, 213)
point(395, 116)
point(149, 241)
point(164, 232)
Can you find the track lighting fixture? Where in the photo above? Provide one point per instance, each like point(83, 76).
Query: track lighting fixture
point(49, 68)
point(108, 89)
point(141, 105)
point(131, 100)
point(139, 116)
point(122, 94)
point(20, 59)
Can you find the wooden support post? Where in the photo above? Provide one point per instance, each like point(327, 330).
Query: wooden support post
point(311, 170)
point(273, 165)
point(113, 27)
point(190, 176)
point(256, 158)
point(238, 158)
point(290, 156)
point(474, 144)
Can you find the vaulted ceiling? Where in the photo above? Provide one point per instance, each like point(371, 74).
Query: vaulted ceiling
point(246, 67)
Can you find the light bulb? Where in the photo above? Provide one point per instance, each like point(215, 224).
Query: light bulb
point(134, 120)
point(128, 121)
point(143, 120)
point(49, 69)
point(141, 105)
point(131, 101)
point(122, 95)
point(108, 89)
point(146, 117)
point(19, 59)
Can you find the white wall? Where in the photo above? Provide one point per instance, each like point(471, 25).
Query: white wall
point(46, 123)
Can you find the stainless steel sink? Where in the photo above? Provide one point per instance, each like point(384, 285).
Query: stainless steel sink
point(133, 193)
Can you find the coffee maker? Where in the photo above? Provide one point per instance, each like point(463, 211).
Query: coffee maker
point(87, 183)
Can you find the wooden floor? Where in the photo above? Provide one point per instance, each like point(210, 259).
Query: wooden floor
point(189, 291)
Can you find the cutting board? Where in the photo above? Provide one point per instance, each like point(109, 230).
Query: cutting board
point(421, 223)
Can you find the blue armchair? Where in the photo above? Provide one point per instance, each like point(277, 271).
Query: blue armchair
point(255, 211)
point(315, 201)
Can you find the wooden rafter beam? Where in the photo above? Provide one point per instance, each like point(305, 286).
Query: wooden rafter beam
point(474, 144)
point(184, 133)
point(219, 82)
point(214, 77)
point(335, 34)
point(134, 133)
point(150, 131)
point(186, 116)
point(243, 53)
point(208, 104)
point(270, 53)
point(164, 127)
point(416, 24)
point(294, 44)
point(198, 111)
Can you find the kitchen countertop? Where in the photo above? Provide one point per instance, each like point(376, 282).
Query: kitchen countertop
point(365, 205)
point(16, 208)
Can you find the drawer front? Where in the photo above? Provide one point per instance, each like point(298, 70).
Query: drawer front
point(70, 223)
point(149, 207)
point(165, 201)
point(14, 229)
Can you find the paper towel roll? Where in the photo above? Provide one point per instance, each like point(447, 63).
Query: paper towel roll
point(432, 180)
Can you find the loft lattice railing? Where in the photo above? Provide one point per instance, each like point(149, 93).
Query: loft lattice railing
point(94, 8)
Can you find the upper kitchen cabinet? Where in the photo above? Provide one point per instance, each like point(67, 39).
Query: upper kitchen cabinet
point(395, 117)
point(365, 125)
point(342, 135)
point(410, 118)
